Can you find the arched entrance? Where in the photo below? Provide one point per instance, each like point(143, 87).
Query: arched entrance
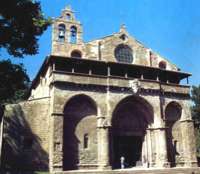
point(173, 113)
point(130, 120)
point(79, 133)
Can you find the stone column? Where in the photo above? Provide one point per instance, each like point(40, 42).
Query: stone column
point(159, 131)
point(189, 143)
point(56, 142)
point(145, 152)
point(103, 134)
point(149, 149)
point(161, 147)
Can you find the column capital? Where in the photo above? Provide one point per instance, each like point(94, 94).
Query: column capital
point(157, 128)
point(186, 120)
point(57, 114)
point(103, 122)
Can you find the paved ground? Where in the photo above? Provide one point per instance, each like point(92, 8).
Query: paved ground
point(138, 171)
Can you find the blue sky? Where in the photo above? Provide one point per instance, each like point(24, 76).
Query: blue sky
point(169, 27)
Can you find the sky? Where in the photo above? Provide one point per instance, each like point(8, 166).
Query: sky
point(169, 27)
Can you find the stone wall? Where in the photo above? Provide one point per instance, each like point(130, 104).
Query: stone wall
point(26, 136)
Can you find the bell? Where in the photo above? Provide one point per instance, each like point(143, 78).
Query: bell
point(61, 33)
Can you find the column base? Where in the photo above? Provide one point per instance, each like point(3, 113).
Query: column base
point(190, 164)
point(162, 165)
point(56, 168)
point(87, 166)
point(104, 167)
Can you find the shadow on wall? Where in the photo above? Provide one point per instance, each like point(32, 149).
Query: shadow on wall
point(21, 147)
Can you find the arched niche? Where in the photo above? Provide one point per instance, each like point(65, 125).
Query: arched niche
point(130, 121)
point(173, 112)
point(76, 54)
point(68, 16)
point(162, 65)
point(79, 132)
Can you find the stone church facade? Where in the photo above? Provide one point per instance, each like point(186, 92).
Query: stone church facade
point(93, 103)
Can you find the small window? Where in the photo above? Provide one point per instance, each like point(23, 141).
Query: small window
point(76, 54)
point(162, 65)
point(73, 34)
point(124, 53)
point(123, 37)
point(61, 32)
point(85, 141)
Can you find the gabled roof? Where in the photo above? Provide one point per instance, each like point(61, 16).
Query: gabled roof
point(124, 31)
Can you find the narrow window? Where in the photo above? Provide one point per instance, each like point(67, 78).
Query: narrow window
point(61, 32)
point(73, 35)
point(123, 37)
point(85, 141)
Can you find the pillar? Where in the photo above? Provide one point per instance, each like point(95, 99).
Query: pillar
point(150, 160)
point(189, 143)
point(145, 152)
point(103, 134)
point(56, 142)
point(161, 147)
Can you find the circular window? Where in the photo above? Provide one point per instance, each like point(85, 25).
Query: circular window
point(124, 53)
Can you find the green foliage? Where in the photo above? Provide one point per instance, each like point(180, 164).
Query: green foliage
point(14, 82)
point(196, 114)
point(21, 22)
point(196, 107)
point(197, 135)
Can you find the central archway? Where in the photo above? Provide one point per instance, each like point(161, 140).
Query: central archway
point(130, 120)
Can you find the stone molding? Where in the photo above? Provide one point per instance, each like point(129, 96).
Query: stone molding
point(187, 120)
point(129, 90)
point(157, 128)
point(57, 114)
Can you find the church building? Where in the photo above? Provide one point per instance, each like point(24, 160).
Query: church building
point(98, 104)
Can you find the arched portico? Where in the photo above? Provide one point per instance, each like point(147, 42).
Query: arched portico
point(173, 112)
point(79, 133)
point(130, 120)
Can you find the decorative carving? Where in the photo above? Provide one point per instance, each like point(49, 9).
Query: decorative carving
point(134, 85)
point(104, 123)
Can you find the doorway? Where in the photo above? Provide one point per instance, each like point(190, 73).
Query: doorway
point(130, 120)
point(129, 147)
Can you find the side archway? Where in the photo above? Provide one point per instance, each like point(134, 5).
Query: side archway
point(79, 133)
point(130, 121)
point(173, 114)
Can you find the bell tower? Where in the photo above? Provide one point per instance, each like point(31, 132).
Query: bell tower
point(66, 34)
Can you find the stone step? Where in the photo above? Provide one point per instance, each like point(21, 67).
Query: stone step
point(195, 170)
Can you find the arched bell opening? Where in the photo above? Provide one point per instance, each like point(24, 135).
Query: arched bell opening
point(130, 121)
point(61, 32)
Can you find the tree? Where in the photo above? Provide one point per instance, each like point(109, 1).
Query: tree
point(14, 82)
point(196, 106)
point(196, 115)
point(21, 22)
